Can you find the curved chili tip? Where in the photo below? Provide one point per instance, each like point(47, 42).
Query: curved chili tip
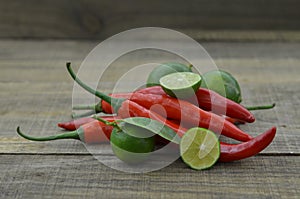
point(232, 152)
point(250, 119)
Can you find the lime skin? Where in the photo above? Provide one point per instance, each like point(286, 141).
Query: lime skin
point(131, 149)
point(223, 83)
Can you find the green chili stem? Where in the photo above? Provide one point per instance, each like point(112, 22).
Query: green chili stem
point(84, 107)
point(269, 106)
point(68, 135)
point(105, 122)
point(89, 113)
point(114, 102)
point(97, 107)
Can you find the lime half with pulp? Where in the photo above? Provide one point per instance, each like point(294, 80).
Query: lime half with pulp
point(181, 84)
point(165, 69)
point(199, 148)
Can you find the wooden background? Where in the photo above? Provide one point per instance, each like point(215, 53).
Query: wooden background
point(212, 20)
point(257, 41)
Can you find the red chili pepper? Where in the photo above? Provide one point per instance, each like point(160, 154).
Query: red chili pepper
point(75, 124)
point(190, 115)
point(175, 109)
point(90, 133)
point(232, 152)
point(203, 96)
point(212, 101)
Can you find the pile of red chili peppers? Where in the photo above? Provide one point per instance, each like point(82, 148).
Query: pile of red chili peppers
point(177, 114)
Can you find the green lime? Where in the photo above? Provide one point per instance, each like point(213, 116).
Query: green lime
point(165, 69)
point(223, 83)
point(131, 149)
point(199, 148)
point(181, 84)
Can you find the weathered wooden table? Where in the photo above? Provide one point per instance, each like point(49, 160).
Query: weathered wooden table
point(257, 41)
point(36, 93)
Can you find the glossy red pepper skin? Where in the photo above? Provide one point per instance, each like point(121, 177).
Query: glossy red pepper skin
point(233, 120)
point(212, 101)
point(107, 108)
point(75, 124)
point(132, 109)
point(94, 132)
point(232, 152)
point(190, 115)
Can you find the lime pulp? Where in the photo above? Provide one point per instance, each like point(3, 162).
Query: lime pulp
point(181, 84)
point(165, 69)
point(200, 148)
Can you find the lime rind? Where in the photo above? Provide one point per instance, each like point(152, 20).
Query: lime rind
point(128, 156)
point(200, 148)
point(131, 149)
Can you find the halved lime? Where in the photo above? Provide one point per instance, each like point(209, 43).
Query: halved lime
point(181, 84)
point(199, 148)
point(165, 69)
point(223, 83)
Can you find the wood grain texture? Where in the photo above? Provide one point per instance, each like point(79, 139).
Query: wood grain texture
point(36, 93)
point(100, 19)
point(47, 176)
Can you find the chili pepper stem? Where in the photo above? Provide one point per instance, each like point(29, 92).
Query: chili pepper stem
point(89, 113)
point(252, 108)
point(84, 107)
point(114, 102)
point(68, 135)
point(114, 124)
point(97, 107)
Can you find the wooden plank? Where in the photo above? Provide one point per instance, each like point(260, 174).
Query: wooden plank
point(47, 176)
point(101, 19)
point(36, 91)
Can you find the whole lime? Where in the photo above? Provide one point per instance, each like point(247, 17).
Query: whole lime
point(131, 149)
point(223, 83)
